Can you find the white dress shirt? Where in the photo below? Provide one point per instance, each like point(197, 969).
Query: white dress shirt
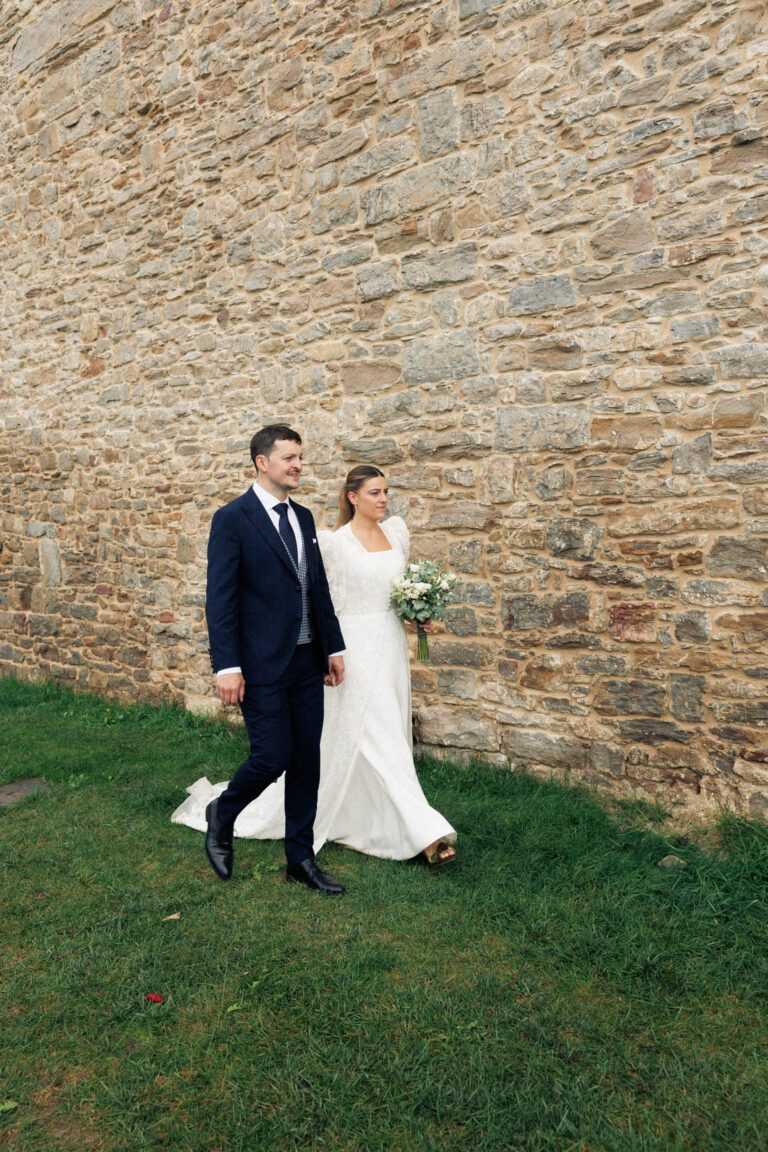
point(269, 501)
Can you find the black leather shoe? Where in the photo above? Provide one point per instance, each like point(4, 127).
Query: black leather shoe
point(218, 843)
point(308, 873)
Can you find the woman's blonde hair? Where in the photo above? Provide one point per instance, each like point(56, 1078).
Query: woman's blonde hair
point(353, 483)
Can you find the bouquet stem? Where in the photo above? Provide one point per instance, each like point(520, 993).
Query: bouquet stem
point(422, 644)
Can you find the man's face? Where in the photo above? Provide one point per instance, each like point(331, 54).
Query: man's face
point(280, 472)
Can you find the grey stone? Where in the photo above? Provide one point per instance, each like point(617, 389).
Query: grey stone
point(695, 328)
point(332, 210)
point(549, 426)
point(461, 621)
point(630, 697)
point(537, 747)
point(452, 445)
point(479, 117)
point(452, 266)
point(381, 158)
point(378, 204)
point(686, 698)
point(384, 451)
point(438, 122)
point(718, 119)
point(741, 361)
point(739, 558)
point(606, 758)
point(512, 199)
point(694, 457)
point(37, 40)
point(523, 613)
point(550, 485)
point(375, 281)
point(345, 144)
point(460, 514)
point(575, 538)
point(457, 682)
point(432, 182)
point(369, 375)
point(451, 356)
point(544, 294)
point(672, 863)
point(653, 732)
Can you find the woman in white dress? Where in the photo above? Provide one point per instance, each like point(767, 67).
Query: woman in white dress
point(370, 798)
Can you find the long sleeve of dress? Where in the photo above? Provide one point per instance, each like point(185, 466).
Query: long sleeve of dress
point(333, 561)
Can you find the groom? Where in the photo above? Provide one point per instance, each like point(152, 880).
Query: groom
point(274, 640)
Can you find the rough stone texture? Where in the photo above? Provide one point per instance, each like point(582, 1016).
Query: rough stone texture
point(514, 251)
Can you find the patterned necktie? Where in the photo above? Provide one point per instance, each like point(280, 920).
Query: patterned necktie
point(287, 533)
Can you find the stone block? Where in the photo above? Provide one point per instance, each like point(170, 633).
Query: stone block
point(549, 426)
point(345, 144)
point(376, 281)
point(452, 445)
point(50, 562)
point(544, 294)
point(634, 623)
point(384, 451)
point(378, 204)
point(686, 696)
point(525, 613)
point(432, 183)
point(372, 376)
point(573, 538)
point(460, 514)
point(632, 232)
point(739, 558)
point(452, 266)
point(383, 157)
point(741, 361)
point(438, 122)
point(457, 682)
point(533, 746)
point(630, 697)
point(448, 727)
point(653, 732)
point(451, 356)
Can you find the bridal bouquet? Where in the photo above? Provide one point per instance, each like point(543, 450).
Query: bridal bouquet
point(421, 594)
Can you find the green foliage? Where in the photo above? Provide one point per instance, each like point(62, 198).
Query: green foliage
point(554, 991)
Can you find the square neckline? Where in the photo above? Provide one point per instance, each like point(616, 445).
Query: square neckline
point(371, 551)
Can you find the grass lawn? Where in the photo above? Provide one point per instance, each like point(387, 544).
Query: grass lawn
point(554, 990)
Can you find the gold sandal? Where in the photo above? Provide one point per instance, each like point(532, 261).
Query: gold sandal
point(434, 856)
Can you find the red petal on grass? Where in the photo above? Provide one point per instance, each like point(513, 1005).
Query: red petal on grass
point(154, 998)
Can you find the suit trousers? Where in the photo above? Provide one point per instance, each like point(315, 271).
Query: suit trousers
point(284, 722)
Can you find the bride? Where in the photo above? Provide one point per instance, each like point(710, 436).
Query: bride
point(370, 798)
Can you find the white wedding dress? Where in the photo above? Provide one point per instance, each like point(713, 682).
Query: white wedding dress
point(370, 798)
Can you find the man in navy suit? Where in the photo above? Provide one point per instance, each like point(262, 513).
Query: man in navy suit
point(274, 641)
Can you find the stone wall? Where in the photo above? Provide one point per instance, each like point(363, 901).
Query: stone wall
point(511, 250)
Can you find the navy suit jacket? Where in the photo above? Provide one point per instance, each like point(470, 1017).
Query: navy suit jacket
point(253, 595)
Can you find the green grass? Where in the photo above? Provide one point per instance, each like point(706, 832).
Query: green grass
point(555, 990)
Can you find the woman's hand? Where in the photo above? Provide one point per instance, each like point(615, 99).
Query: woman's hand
point(425, 625)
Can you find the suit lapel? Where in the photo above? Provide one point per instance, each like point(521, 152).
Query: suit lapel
point(259, 517)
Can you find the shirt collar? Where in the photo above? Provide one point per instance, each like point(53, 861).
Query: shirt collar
point(267, 499)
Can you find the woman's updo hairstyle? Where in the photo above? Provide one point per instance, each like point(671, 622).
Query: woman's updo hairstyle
point(353, 483)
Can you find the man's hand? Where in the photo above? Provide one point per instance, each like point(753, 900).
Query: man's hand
point(231, 688)
point(335, 671)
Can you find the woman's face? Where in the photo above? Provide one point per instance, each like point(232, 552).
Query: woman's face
point(372, 498)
